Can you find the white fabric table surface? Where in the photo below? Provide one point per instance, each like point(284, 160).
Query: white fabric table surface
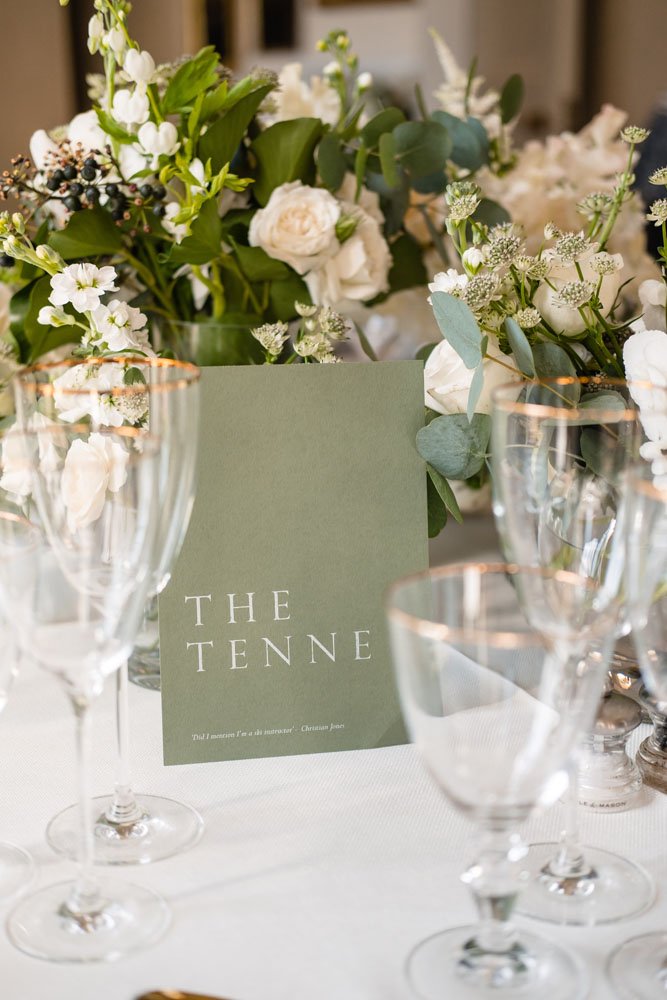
point(315, 876)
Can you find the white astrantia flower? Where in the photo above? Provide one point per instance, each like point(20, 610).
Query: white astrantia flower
point(139, 66)
point(658, 213)
point(635, 134)
point(567, 319)
point(463, 207)
point(91, 468)
point(121, 327)
point(310, 345)
point(449, 281)
point(272, 337)
point(604, 263)
point(298, 226)
point(528, 318)
point(131, 107)
point(572, 246)
point(86, 391)
point(158, 140)
point(574, 294)
point(659, 176)
point(82, 286)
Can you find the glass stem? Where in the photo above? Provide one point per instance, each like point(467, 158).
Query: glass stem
point(570, 861)
point(85, 896)
point(123, 809)
point(494, 879)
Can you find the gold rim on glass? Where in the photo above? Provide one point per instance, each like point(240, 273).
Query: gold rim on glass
point(572, 412)
point(149, 442)
point(191, 375)
point(500, 639)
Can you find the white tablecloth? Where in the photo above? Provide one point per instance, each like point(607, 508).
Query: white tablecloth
point(315, 875)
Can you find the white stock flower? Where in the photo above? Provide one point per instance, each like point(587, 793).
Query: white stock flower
point(91, 468)
point(567, 319)
point(297, 226)
point(645, 360)
point(82, 285)
point(447, 381)
point(139, 66)
point(449, 281)
point(158, 140)
point(295, 99)
point(131, 107)
point(121, 327)
point(84, 391)
point(360, 269)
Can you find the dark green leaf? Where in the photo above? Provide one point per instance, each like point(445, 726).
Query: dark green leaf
point(607, 400)
point(134, 376)
point(221, 141)
point(214, 101)
point(437, 512)
point(422, 148)
point(258, 266)
point(388, 159)
point(384, 121)
point(284, 152)
point(511, 98)
point(470, 141)
point(446, 493)
point(42, 338)
point(111, 127)
point(365, 343)
point(283, 295)
point(454, 446)
point(424, 353)
point(228, 343)
point(490, 213)
point(331, 162)
point(360, 165)
point(521, 349)
point(203, 243)
point(190, 79)
point(88, 233)
point(475, 390)
point(407, 268)
point(459, 327)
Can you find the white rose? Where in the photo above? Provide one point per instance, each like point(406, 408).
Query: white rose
point(358, 271)
point(368, 200)
point(447, 380)
point(297, 226)
point(645, 360)
point(653, 297)
point(91, 468)
point(565, 319)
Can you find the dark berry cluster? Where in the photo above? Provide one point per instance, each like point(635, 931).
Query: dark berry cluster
point(12, 181)
point(75, 177)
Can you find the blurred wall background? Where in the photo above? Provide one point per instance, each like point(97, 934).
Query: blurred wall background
point(573, 54)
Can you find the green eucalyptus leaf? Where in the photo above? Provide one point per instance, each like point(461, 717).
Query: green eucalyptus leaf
point(283, 295)
point(521, 349)
point(470, 142)
point(607, 400)
point(455, 446)
point(331, 161)
point(388, 159)
point(203, 243)
point(459, 327)
point(407, 268)
point(381, 123)
point(511, 98)
point(221, 141)
point(475, 390)
point(437, 511)
point(551, 361)
point(446, 493)
point(88, 233)
point(422, 148)
point(284, 153)
point(190, 79)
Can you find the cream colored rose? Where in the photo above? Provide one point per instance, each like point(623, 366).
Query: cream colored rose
point(359, 270)
point(91, 468)
point(297, 226)
point(645, 360)
point(447, 380)
point(565, 319)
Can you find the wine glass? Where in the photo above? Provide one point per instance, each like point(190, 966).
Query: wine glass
point(75, 602)
point(495, 706)
point(638, 968)
point(162, 395)
point(560, 457)
point(17, 534)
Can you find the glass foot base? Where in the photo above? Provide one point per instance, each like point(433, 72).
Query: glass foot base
point(638, 969)
point(447, 966)
point(129, 919)
point(17, 870)
point(616, 890)
point(143, 668)
point(164, 828)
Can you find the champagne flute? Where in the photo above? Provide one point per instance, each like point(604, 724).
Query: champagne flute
point(75, 602)
point(17, 534)
point(638, 968)
point(495, 706)
point(561, 454)
point(162, 395)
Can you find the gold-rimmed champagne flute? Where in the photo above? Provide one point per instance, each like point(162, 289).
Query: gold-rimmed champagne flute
point(494, 704)
point(75, 602)
point(163, 396)
point(561, 452)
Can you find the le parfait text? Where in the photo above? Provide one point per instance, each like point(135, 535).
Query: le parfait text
point(240, 653)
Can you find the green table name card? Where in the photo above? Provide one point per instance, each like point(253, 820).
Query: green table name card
point(311, 499)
